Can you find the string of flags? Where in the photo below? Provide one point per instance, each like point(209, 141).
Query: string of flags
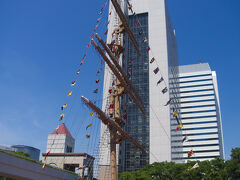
point(74, 82)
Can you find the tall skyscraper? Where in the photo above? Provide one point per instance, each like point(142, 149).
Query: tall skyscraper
point(156, 38)
point(200, 112)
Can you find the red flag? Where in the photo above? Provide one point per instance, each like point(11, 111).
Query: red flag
point(111, 107)
point(105, 4)
point(46, 155)
point(101, 61)
point(99, 71)
point(95, 29)
point(110, 13)
point(137, 22)
point(110, 91)
point(125, 116)
point(83, 59)
point(91, 36)
point(113, 33)
point(148, 49)
point(97, 81)
point(98, 20)
point(88, 45)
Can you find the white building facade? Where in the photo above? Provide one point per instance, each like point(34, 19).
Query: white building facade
point(200, 113)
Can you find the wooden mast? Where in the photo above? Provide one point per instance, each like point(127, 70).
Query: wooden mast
point(118, 76)
point(125, 24)
point(117, 134)
point(114, 60)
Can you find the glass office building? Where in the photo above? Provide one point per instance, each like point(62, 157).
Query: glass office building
point(137, 126)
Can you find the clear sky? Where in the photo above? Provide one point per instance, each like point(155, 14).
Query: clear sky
point(42, 43)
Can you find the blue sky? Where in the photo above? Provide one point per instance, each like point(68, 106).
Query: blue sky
point(42, 43)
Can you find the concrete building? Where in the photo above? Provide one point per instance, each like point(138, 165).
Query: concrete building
point(60, 153)
point(200, 112)
point(60, 140)
point(17, 168)
point(33, 152)
point(153, 132)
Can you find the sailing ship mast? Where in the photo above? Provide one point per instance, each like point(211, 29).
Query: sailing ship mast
point(122, 86)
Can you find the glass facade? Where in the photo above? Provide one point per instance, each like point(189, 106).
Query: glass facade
point(137, 125)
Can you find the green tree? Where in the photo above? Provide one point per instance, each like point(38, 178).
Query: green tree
point(216, 169)
point(233, 165)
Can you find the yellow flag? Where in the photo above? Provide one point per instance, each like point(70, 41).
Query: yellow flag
point(89, 125)
point(92, 113)
point(175, 113)
point(43, 167)
point(88, 135)
point(180, 125)
point(69, 93)
point(61, 117)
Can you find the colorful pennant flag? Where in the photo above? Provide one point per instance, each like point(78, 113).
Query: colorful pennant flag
point(148, 49)
point(88, 135)
point(95, 29)
point(190, 153)
point(156, 70)
point(89, 126)
point(125, 116)
point(91, 36)
point(195, 166)
point(136, 23)
point(78, 72)
point(106, 32)
point(152, 60)
point(73, 83)
point(69, 93)
point(83, 58)
point(185, 139)
point(61, 117)
point(175, 113)
point(164, 90)
point(92, 113)
point(140, 32)
point(98, 20)
point(63, 106)
point(179, 126)
point(160, 80)
point(169, 101)
point(46, 155)
point(144, 40)
point(99, 71)
point(110, 91)
point(111, 107)
point(83, 167)
point(43, 166)
point(95, 91)
point(88, 44)
point(57, 129)
point(97, 81)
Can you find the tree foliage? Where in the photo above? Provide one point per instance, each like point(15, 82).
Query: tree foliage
point(209, 170)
